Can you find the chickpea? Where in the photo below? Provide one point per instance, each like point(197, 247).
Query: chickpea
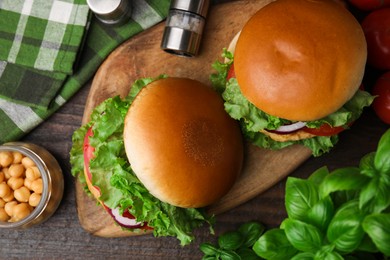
point(3, 215)
point(20, 211)
point(22, 194)
point(27, 162)
point(5, 190)
point(16, 170)
point(15, 182)
point(21, 186)
point(33, 173)
point(9, 207)
point(6, 173)
point(17, 157)
point(27, 183)
point(6, 158)
point(34, 199)
point(37, 186)
point(9, 198)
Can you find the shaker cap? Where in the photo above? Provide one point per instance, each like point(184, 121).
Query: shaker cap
point(193, 6)
point(112, 11)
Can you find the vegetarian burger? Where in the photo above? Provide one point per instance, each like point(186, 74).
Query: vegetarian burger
point(293, 74)
point(155, 159)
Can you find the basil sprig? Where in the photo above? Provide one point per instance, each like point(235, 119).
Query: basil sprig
point(343, 214)
point(235, 245)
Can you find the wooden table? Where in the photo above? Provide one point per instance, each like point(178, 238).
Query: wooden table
point(62, 237)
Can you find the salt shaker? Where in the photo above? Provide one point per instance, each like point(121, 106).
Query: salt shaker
point(111, 12)
point(184, 27)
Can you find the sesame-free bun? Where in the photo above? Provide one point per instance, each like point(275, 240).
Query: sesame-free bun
point(300, 59)
point(181, 143)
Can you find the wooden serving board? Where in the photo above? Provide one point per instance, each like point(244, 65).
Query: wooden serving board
point(141, 56)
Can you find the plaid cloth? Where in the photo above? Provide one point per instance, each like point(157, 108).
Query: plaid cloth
point(42, 35)
point(32, 85)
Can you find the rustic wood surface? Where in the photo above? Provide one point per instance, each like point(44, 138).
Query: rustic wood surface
point(134, 59)
point(63, 237)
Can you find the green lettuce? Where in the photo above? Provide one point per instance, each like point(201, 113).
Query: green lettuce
point(112, 173)
point(253, 120)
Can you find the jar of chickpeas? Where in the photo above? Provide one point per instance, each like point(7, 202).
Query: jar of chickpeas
point(31, 185)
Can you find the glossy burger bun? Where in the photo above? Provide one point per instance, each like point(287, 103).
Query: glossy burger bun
point(181, 143)
point(300, 60)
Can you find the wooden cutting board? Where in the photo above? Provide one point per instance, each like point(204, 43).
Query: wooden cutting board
point(141, 56)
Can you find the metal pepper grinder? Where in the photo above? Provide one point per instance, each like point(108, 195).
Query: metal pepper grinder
point(111, 12)
point(184, 27)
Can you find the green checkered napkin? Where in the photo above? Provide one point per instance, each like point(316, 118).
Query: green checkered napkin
point(43, 61)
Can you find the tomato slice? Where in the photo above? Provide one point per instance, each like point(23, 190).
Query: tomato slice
point(88, 151)
point(324, 130)
point(231, 72)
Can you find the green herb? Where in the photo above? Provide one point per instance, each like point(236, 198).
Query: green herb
point(234, 245)
point(344, 214)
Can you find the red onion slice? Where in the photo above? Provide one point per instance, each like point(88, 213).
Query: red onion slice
point(125, 221)
point(291, 127)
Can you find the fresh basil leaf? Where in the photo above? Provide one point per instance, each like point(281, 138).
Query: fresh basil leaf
point(318, 176)
point(274, 244)
point(208, 249)
point(348, 178)
point(304, 237)
point(341, 197)
point(230, 240)
point(301, 196)
point(321, 214)
point(247, 254)
point(367, 166)
point(367, 245)
point(374, 197)
point(382, 198)
point(377, 227)
point(382, 158)
point(229, 255)
point(302, 201)
point(328, 256)
point(303, 256)
point(251, 231)
point(367, 194)
point(345, 230)
point(209, 257)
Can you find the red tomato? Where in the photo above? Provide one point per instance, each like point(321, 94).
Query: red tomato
point(324, 130)
point(88, 152)
point(369, 5)
point(376, 27)
point(231, 72)
point(381, 104)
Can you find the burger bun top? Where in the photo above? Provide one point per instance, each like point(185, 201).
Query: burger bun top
point(181, 143)
point(300, 60)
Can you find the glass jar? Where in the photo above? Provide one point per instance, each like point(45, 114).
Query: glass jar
point(52, 180)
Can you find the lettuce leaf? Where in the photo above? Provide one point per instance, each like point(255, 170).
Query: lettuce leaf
point(253, 120)
point(116, 180)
